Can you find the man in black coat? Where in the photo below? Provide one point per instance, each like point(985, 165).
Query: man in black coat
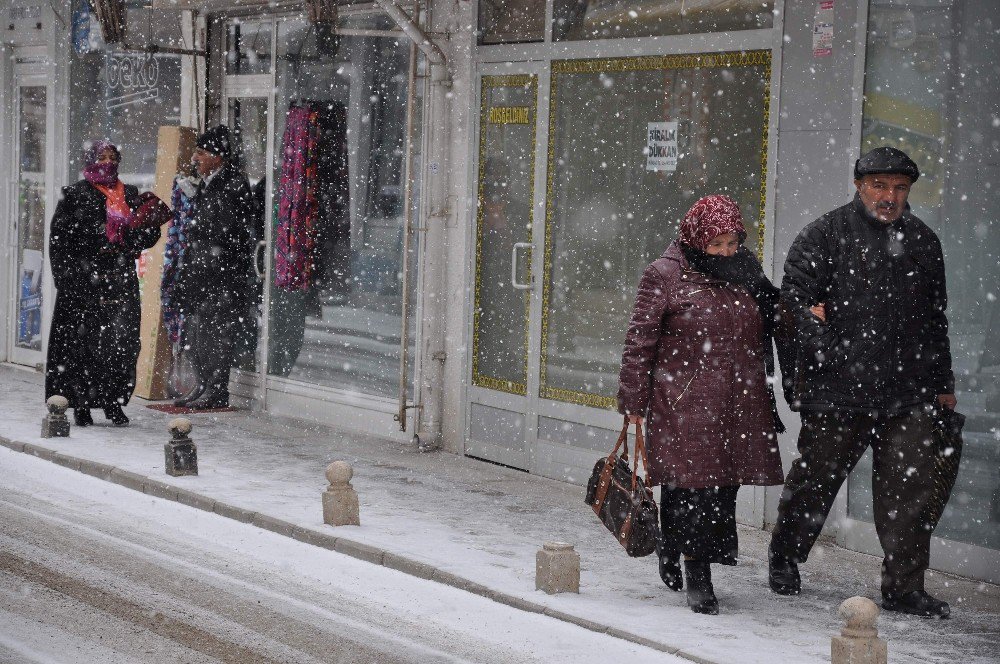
point(211, 286)
point(870, 371)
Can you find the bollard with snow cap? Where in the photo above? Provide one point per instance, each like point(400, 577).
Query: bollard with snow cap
point(340, 500)
point(180, 451)
point(858, 642)
point(55, 424)
point(557, 568)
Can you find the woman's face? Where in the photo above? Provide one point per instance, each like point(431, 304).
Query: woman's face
point(107, 156)
point(723, 245)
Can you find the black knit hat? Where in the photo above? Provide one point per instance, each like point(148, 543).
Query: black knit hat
point(886, 160)
point(216, 141)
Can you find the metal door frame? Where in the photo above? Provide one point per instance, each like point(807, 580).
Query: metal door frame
point(528, 403)
point(32, 74)
point(258, 86)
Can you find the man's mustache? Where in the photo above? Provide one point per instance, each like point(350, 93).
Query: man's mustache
point(886, 206)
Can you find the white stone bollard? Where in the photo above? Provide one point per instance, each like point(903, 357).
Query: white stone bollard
point(55, 424)
point(557, 568)
point(858, 642)
point(340, 500)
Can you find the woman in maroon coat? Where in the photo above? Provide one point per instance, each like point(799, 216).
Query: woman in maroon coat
point(695, 370)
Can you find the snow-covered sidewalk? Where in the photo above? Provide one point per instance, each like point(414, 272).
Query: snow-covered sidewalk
point(477, 526)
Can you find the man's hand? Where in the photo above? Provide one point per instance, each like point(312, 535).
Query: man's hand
point(636, 419)
point(819, 311)
point(948, 401)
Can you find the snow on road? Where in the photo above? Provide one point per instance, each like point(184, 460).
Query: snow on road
point(91, 571)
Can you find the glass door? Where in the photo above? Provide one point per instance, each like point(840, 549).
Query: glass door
point(505, 241)
point(248, 123)
point(31, 106)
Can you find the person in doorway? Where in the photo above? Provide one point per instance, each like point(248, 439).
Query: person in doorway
point(211, 284)
point(869, 372)
point(694, 370)
point(100, 227)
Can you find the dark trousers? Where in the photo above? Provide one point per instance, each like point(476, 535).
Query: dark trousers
point(208, 334)
point(830, 444)
point(699, 523)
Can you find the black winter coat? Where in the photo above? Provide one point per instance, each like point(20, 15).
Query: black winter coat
point(218, 257)
point(94, 339)
point(884, 345)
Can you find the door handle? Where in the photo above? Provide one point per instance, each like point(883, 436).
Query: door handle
point(257, 255)
point(514, 252)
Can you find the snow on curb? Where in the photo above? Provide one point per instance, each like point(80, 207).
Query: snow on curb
point(347, 547)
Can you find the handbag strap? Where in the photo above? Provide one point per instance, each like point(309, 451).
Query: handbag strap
point(640, 451)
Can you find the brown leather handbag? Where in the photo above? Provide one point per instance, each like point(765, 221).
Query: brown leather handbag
point(622, 499)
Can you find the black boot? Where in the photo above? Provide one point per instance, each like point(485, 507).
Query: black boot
point(917, 603)
point(82, 418)
point(116, 415)
point(700, 593)
point(783, 574)
point(213, 397)
point(192, 394)
point(670, 568)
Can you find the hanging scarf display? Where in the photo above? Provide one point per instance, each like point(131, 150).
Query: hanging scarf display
point(294, 240)
point(182, 199)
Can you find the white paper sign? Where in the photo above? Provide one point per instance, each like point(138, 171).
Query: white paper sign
point(661, 146)
point(823, 29)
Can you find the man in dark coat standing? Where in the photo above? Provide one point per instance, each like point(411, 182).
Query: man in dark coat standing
point(211, 286)
point(871, 372)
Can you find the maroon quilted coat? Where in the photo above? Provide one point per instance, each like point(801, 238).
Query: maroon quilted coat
point(693, 359)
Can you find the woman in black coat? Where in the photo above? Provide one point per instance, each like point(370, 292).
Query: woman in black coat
point(94, 242)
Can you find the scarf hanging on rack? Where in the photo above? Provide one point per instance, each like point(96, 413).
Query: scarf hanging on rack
point(294, 240)
point(182, 200)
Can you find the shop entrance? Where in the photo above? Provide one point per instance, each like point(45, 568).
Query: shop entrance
point(28, 187)
point(576, 195)
point(319, 125)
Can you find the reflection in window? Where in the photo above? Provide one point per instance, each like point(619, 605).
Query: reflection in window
point(613, 207)
point(930, 90)
point(335, 320)
point(601, 19)
point(511, 21)
point(125, 96)
point(248, 48)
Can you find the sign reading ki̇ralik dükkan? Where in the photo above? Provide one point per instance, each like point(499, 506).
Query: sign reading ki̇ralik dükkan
point(661, 146)
point(510, 115)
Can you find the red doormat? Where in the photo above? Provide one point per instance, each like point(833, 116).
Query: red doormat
point(171, 409)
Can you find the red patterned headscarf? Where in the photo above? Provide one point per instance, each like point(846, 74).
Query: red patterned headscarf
point(710, 217)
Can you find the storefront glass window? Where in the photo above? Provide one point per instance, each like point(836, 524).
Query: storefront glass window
point(511, 21)
point(621, 176)
point(125, 97)
point(248, 48)
point(335, 318)
point(31, 113)
point(601, 19)
point(931, 79)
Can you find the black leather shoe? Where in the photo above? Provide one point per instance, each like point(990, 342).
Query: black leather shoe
point(917, 603)
point(783, 574)
point(192, 394)
point(700, 593)
point(212, 398)
point(82, 418)
point(116, 415)
point(670, 570)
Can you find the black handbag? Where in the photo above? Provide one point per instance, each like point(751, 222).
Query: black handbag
point(623, 500)
point(948, 450)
